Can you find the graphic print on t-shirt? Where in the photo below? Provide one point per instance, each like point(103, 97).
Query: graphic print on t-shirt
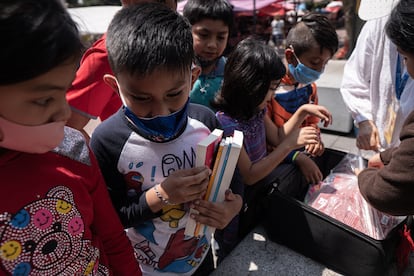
point(160, 243)
point(46, 237)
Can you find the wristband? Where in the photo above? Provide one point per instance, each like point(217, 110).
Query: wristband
point(159, 195)
point(295, 155)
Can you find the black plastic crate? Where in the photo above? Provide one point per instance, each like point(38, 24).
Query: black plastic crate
point(289, 221)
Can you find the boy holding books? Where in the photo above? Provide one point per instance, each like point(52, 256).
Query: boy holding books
point(88, 96)
point(147, 149)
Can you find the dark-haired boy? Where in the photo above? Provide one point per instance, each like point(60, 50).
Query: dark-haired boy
point(211, 22)
point(311, 43)
point(89, 96)
point(146, 150)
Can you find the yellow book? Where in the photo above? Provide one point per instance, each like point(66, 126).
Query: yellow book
point(206, 153)
point(211, 180)
point(220, 179)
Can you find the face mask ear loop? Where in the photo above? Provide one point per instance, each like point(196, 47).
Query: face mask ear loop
point(120, 93)
point(294, 54)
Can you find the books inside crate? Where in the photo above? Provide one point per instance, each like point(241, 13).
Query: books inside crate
point(338, 196)
point(330, 222)
point(221, 155)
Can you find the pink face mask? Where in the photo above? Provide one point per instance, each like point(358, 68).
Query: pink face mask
point(31, 139)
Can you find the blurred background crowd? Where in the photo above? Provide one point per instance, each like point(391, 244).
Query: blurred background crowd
point(269, 20)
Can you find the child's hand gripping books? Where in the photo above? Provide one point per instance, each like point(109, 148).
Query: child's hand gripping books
point(226, 152)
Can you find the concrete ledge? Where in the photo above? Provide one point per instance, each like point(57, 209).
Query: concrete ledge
point(330, 96)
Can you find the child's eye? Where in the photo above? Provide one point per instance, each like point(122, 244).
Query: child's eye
point(175, 94)
point(140, 98)
point(43, 101)
point(202, 33)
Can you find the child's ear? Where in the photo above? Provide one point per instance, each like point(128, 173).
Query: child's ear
point(195, 73)
point(290, 57)
point(111, 81)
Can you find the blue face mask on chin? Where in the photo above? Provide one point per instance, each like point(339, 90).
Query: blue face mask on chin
point(304, 74)
point(160, 128)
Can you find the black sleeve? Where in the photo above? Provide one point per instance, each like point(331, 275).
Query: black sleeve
point(106, 143)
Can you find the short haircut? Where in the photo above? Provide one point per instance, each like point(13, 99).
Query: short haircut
point(37, 35)
point(197, 10)
point(141, 1)
point(313, 28)
point(249, 70)
point(400, 26)
point(143, 38)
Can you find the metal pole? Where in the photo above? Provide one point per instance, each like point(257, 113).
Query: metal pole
point(295, 4)
point(254, 17)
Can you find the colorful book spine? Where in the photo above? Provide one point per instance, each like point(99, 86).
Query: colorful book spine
point(223, 169)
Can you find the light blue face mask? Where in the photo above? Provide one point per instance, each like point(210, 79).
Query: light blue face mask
point(302, 73)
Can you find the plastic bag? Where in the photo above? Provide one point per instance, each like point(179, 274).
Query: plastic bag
point(338, 196)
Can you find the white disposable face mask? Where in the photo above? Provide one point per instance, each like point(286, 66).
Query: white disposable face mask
point(31, 139)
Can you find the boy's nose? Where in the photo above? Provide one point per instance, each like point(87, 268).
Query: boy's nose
point(160, 110)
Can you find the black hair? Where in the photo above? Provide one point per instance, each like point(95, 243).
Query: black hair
point(312, 28)
point(400, 26)
point(159, 1)
point(249, 70)
point(37, 35)
point(197, 10)
point(143, 38)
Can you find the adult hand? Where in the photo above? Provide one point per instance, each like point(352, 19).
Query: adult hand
point(375, 162)
point(368, 136)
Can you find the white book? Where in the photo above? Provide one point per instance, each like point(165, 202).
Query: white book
point(206, 153)
point(229, 164)
point(225, 164)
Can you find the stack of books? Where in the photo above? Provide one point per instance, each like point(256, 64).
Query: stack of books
point(221, 155)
